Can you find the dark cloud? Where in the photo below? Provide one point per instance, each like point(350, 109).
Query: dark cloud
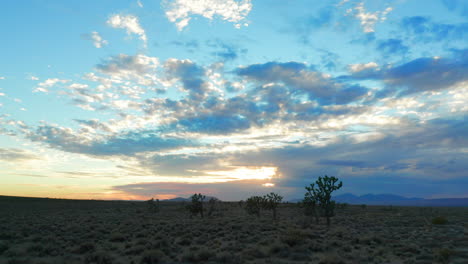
point(422, 74)
point(14, 154)
point(301, 79)
point(226, 51)
point(190, 75)
point(123, 144)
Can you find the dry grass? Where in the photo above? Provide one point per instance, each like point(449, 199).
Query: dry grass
point(59, 231)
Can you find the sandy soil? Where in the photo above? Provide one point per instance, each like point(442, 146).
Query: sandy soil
point(61, 231)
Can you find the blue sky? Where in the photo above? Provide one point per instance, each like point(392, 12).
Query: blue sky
point(139, 99)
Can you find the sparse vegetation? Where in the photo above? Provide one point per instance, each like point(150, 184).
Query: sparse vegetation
point(58, 231)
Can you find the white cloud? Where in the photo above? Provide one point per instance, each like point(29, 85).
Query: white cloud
point(369, 19)
point(130, 23)
point(354, 68)
point(98, 41)
point(2, 78)
point(47, 84)
point(33, 78)
point(139, 3)
point(180, 11)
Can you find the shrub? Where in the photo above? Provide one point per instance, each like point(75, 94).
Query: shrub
point(152, 257)
point(253, 205)
point(211, 206)
point(98, 258)
point(439, 220)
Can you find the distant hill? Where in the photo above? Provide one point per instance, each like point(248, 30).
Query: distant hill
point(182, 199)
point(392, 199)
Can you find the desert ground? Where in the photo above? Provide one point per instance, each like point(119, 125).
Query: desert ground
point(37, 231)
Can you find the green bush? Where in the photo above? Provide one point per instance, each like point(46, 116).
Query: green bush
point(152, 257)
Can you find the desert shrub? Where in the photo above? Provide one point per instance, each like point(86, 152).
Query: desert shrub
point(253, 205)
point(439, 220)
point(152, 257)
point(443, 255)
point(117, 237)
point(98, 258)
point(196, 206)
point(331, 259)
point(293, 237)
point(227, 257)
point(3, 248)
point(363, 206)
point(271, 201)
point(84, 248)
point(197, 255)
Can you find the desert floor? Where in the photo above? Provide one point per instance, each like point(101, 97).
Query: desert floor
point(69, 231)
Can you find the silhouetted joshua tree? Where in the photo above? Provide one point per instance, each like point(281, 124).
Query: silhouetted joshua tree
point(196, 206)
point(321, 193)
point(152, 205)
point(271, 201)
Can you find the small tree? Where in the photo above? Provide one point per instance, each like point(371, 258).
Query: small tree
point(271, 201)
point(196, 206)
point(310, 202)
point(325, 187)
point(253, 205)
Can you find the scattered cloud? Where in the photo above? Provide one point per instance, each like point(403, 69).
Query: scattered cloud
point(180, 12)
point(130, 23)
point(392, 47)
point(97, 39)
point(368, 20)
point(15, 155)
point(48, 83)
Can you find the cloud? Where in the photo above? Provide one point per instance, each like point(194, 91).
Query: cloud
point(48, 83)
point(422, 74)
point(2, 78)
point(190, 75)
point(130, 23)
point(359, 67)
point(98, 41)
point(85, 142)
point(303, 79)
point(15, 155)
point(180, 11)
point(368, 19)
point(124, 67)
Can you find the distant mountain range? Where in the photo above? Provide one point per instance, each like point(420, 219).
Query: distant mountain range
point(392, 199)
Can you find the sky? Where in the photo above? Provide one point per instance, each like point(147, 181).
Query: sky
point(136, 99)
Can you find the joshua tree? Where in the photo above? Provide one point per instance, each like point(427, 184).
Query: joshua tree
point(325, 187)
point(253, 205)
point(322, 194)
point(196, 206)
point(271, 201)
point(310, 202)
